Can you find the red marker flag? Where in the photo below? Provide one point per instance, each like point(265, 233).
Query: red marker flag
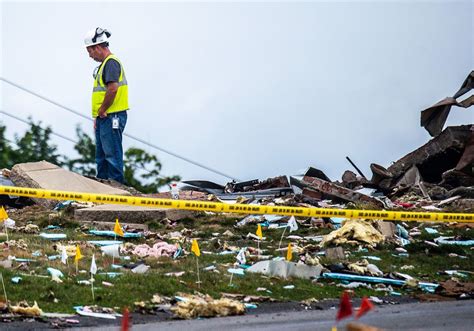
point(125, 320)
point(345, 307)
point(365, 306)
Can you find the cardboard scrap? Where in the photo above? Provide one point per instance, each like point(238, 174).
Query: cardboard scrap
point(194, 306)
point(354, 232)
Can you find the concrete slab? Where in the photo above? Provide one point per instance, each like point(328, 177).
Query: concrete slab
point(129, 214)
point(49, 176)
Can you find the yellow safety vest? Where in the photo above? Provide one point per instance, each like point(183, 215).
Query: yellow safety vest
point(98, 92)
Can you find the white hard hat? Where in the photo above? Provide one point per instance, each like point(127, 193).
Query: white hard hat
point(96, 36)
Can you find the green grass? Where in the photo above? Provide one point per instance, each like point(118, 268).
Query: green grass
point(129, 288)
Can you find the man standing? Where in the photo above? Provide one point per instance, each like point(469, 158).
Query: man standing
point(109, 105)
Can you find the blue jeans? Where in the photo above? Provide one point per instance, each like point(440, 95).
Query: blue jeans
point(109, 151)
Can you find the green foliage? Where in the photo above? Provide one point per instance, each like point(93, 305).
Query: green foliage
point(6, 150)
point(33, 146)
point(85, 147)
point(143, 167)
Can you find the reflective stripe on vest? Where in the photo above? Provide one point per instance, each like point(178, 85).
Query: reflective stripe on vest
point(98, 92)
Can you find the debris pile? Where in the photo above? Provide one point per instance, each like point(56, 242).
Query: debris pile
point(283, 257)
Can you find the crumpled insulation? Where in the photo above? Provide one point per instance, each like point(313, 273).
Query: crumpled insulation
point(206, 306)
point(354, 232)
point(24, 309)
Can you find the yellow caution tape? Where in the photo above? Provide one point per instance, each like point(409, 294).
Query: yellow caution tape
point(219, 207)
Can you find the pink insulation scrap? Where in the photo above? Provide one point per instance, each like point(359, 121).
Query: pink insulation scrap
point(159, 249)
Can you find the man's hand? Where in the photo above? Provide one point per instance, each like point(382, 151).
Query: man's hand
point(95, 125)
point(112, 89)
point(102, 113)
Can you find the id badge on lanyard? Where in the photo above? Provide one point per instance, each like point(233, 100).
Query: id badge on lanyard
point(115, 122)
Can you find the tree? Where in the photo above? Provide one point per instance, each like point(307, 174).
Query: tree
point(35, 146)
point(138, 165)
point(85, 147)
point(6, 160)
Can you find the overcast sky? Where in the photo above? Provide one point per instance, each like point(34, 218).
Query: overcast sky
point(254, 90)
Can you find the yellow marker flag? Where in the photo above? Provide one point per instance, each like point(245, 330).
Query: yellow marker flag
point(259, 231)
point(289, 253)
point(195, 248)
point(3, 214)
point(78, 254)
point(117, 228)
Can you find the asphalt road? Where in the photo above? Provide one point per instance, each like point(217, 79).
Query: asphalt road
point(448, 315)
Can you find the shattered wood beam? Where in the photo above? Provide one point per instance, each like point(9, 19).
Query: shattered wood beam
point(436, 156)
point(358, 170)
point(339, 191)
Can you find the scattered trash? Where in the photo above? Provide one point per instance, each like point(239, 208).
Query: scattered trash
point(451, 241)
point(111, 250)
point(20, 244)
point(52, 227)
point(250, 306)
point(234, 271)
point(105, 242)
point(53, 236)
point(36, 253)
point(175, 274)
point(55, 275)
point(406, 185)
point(209, 268)
point(7, 264)
point(141, 269)
point(94, 311)
point(348, 277)
point(113, 234)
point(285, 269)
point(16, 280)
point(375, 258)
point(29, 228)
point(9, 223)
